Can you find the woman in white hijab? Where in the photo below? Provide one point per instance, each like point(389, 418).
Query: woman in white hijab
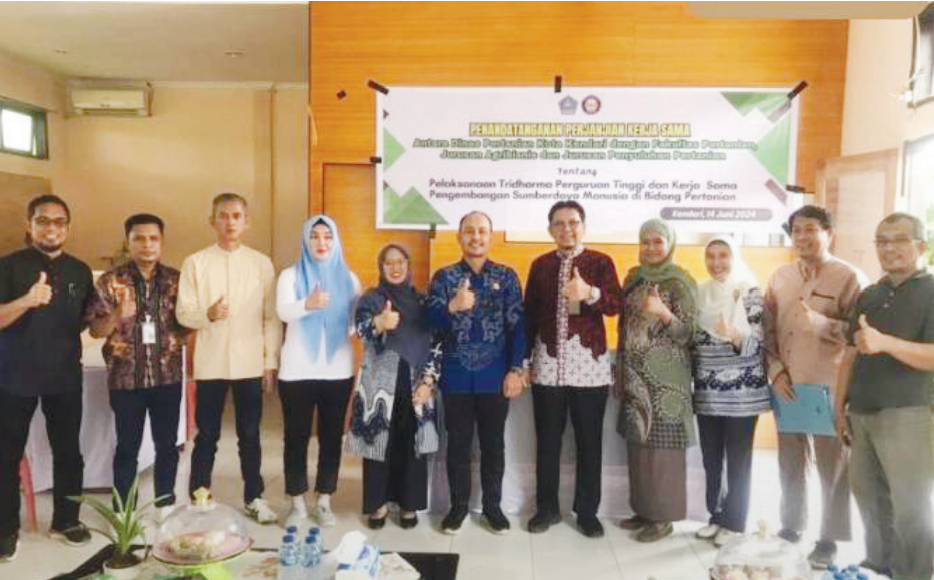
point(730, 384)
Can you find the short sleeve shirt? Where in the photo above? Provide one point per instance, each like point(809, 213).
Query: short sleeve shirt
point(905, 311)
point(40, 353)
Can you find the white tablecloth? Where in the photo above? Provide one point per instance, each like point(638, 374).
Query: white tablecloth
point(98, 436)
point(519, 478)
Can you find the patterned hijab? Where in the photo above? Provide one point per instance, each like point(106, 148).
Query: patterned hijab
point(331, 275)
point(665, 270)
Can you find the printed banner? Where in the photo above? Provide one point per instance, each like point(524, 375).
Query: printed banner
point(707, 159)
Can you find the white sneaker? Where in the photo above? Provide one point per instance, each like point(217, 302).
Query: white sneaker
point(324, 515)
point(725, 536)
point(708, 532)
point(259, 511)
point(296, 518)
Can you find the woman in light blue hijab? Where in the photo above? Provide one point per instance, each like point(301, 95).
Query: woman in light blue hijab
point(316, 298)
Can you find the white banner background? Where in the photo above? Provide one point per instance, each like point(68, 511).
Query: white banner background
point(418, 130)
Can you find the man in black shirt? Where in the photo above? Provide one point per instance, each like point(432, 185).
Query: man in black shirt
point(883, 405)
point(44, 294)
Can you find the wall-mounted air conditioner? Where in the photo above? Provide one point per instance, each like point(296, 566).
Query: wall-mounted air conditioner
point(91, 98)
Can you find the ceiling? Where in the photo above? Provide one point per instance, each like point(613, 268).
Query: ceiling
point(160, 41)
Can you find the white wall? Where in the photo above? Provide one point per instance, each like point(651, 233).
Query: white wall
point(878, 65)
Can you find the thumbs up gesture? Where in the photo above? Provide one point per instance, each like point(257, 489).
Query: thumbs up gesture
point(577, 289)
point(219, 310)
point(317, 300)
point(40, 293)
point(464, 299)
point(126, 303)
point(868, 339)
point(813, 317)
point(654, 305)
point(387, 320)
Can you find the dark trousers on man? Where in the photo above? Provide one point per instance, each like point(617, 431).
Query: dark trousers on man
point(727, 440)
point(586, 405)
point(130, 407)
point(299, 401)
point(63, 426)
point(488, 412)
point(248, 408)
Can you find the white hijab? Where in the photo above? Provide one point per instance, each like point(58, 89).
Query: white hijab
point(717, 299)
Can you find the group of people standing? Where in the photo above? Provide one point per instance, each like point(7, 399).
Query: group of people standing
point(438, 367)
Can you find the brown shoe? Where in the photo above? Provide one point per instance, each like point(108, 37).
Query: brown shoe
point(655, 531)
point(636, 522)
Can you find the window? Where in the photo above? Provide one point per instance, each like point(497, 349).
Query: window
point(23, 130)
point(921, 83)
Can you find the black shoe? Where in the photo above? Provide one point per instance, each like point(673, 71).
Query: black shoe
point(789, 535)
point(498, 523)
point(541, 521)
point(880, 570)
point(74, 535)
point(407, 523)
point(823, 554)
point(636, 522)
point(9, 546)
point(451, 524)
point(376, 523)
point(590, 526)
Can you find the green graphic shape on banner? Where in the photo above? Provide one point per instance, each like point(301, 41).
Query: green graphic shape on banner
point(746, 102)
point(772, 150)
point(411, 208)
point(392, 149)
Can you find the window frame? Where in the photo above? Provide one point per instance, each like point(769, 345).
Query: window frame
point(40, 129)
point(923, 31)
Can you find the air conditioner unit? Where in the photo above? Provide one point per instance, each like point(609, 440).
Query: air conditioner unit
point(128, 101)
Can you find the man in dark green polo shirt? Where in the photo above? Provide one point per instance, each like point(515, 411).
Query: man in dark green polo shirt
point(44, 294)
point(883, 405)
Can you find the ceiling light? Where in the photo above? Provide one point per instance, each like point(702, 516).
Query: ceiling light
point(234, 53)
point(62, 51)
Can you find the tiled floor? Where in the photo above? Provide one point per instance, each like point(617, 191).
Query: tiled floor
point(561, 553)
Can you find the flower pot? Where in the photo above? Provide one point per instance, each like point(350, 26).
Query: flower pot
point(125, 572)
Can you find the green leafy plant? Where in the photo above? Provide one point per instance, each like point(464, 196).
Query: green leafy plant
point(126, 523)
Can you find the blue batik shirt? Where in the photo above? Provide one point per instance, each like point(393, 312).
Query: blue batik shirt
point(481, 345)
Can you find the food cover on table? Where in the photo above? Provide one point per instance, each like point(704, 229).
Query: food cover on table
point(760, 556)
point(203, 532)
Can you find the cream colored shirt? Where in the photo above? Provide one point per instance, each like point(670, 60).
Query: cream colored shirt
point(809, 353)
point(245, 343)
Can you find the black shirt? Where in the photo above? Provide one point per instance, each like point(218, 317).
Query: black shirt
point(40, 353)
point(905, 311)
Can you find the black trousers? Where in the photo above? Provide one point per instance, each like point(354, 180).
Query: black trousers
point(586, 407)
point(488, 412)
point(248, 408)
point(130, 407)
point(299, 401)
point(63, 426)
point(729, 440)
point(402, 477)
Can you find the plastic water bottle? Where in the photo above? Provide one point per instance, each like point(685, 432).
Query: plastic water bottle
point(289, 564)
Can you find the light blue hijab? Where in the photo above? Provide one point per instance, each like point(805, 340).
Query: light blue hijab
point(333, 277)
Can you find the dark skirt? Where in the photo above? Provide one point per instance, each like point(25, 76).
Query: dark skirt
point(402, 478)
point(657, 482)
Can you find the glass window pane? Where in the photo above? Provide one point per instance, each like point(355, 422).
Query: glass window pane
point(17, 131)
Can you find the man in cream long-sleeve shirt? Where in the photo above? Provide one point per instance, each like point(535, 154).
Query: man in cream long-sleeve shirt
point(227, 293)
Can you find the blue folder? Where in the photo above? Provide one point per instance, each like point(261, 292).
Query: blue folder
point(811, 412)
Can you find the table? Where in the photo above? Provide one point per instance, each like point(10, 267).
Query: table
point(98, 437)
point(432, 566)
point(519, 477)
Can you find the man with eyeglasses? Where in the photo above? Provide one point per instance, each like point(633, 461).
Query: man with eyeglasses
point(569, 292)
point(44, 294)
point(883, 405)
point(807, 309)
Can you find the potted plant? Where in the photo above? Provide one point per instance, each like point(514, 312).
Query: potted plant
point(126, 525)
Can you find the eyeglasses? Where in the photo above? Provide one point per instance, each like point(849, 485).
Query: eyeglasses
point(44, 222)
point(900, 242)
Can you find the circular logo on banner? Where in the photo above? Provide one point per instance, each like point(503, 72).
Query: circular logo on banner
point(591, 105)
